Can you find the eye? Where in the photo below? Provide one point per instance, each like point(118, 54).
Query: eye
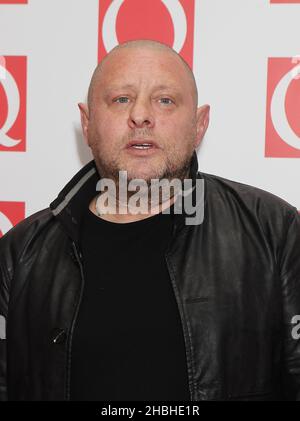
point(121, 99)
point(166, 101)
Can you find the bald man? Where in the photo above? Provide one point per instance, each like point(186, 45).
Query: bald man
point(153, 102)
point(146, 279)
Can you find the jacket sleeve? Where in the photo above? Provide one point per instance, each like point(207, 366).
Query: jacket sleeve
point(290, 282)
point(3, 317)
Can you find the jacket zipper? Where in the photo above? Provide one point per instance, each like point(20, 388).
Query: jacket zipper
point(182, 317)
point(68, 380)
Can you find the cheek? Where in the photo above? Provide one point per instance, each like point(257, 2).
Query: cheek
point(105, 133)
point(107, 140)
point(186, 128)
point(175, 130)
point(168, 128)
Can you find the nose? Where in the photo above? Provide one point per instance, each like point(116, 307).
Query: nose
point(141, 115)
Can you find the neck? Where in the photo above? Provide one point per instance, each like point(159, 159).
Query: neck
point(123, 213)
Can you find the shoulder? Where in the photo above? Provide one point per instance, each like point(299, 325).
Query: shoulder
point(21, 236)
point(232, 199)
point(244, 193)
point(27, 226)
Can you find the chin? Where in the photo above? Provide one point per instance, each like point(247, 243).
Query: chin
point(147, 176)
point(145, 173)
point(144, 170)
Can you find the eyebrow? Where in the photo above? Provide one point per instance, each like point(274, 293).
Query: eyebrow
point(157, 88)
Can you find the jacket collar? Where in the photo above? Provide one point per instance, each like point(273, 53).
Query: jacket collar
point(73, 199)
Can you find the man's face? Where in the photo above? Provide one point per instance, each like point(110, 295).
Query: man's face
point(143, 96)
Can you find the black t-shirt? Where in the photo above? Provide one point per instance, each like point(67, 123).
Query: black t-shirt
point(128, 340)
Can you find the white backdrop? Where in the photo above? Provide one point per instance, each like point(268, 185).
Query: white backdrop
point(233, 40)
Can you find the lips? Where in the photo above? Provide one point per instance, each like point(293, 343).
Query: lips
point(142, 144)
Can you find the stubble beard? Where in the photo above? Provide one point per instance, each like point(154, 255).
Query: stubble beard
point(175, 166)
point(172, 170)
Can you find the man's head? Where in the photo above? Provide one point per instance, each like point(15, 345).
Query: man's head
point(143, 92)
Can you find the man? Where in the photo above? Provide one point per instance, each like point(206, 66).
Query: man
point(106, 303)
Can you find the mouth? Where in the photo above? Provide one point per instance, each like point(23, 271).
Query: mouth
point(141, 145)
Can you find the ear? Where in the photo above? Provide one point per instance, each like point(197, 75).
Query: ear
point(84, 116)
point(202, 123)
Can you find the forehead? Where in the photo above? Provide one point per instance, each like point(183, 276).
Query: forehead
point(133, 65)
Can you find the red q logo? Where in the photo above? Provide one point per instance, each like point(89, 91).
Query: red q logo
point(13, 1)
point(167, 21)
point(284, 1)
point(12, 103)
point(10, 214)
point(283, 105)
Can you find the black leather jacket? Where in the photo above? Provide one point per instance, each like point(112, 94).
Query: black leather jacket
point(236, 279)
